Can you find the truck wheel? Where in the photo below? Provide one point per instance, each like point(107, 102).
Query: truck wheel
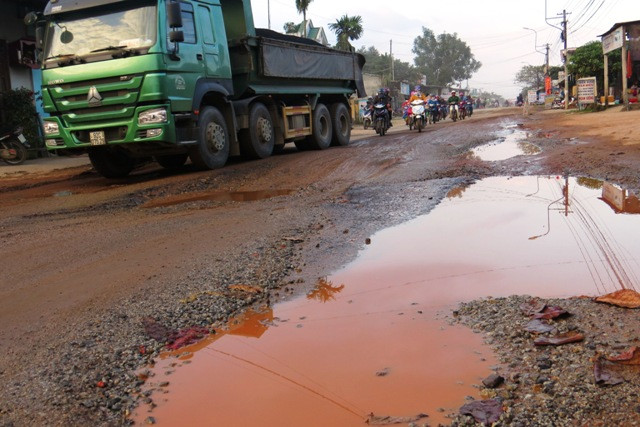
point(341, 121)
point(257, 141)
point(172, 161)
point(322, 130)
point(212, 149)
point(111, 163)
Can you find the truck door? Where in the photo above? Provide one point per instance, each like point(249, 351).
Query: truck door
point(214, 41)
point(189, 66)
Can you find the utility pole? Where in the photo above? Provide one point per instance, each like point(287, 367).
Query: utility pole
point(566, 60)
point(546, 61)
point(393, 77)
point(269, 12)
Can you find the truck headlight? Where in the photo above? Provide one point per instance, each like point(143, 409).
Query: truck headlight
point(157, 115)
point(50, 128)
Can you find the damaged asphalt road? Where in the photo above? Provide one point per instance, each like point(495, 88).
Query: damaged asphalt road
point(90, 259)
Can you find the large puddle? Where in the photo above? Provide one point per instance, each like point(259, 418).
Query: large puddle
point(372, 338)
point(512, 143)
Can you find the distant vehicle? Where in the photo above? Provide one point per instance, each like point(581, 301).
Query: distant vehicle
point(131, 79)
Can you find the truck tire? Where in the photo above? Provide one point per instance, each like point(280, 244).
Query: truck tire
point(257, 141)
point(212, 148)
point(111, 163)
point(172, 161)
point(341, 122)
point(321, 132)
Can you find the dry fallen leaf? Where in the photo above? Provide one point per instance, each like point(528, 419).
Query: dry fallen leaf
point(626, 298)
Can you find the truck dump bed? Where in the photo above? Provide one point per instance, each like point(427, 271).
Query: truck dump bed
point(277, 63)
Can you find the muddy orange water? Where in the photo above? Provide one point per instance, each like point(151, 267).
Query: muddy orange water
point(373, 338)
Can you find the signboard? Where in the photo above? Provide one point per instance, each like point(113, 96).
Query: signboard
point(613, 195)
point(362, 106)
point(613, 41)
point(405, 89)
point(587, 90)
point(532, 97)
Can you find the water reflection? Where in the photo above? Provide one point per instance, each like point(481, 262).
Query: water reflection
point(324, 291)
point(620, 200)
point(512, 145)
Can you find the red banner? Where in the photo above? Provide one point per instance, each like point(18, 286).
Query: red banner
point(547, 85)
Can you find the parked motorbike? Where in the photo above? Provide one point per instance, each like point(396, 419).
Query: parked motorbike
point(381, 119)
point(13, 147)
point(366, 119)
point(418, 115)
point(453, 112)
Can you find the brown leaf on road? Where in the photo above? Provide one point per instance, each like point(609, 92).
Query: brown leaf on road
point(537, 326)
point(606, 373)
point(560, 339)
point(626, 298)
point(532, 307)
point(629, 357)
point(378, 420)
point(483, 411)
point(551, 313)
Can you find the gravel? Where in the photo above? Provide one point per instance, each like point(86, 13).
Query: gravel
point(555, 386)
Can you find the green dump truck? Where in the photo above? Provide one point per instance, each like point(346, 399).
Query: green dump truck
point(125, 80)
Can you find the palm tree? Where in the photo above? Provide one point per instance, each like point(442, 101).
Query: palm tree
point(302, 6)
point(347, 28)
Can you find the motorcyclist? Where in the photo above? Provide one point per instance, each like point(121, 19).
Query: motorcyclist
point(453, 100)
point(384, 98)
point(434, 107)
point(417, 94)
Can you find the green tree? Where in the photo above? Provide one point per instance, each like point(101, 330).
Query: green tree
point(444, 59)
point(588, 61)
point(347, 28)
point(302, 6)
point(380, 64)
point(531, 77)
point(290, 27)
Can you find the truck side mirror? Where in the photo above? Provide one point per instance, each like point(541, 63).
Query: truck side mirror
point(174, 15)
point(31, 18)
point(39, 37)
point(176, 36)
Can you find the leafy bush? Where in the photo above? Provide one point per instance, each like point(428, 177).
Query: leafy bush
point(19, 110)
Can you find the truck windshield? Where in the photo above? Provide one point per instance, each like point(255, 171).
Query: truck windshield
point(100, 30)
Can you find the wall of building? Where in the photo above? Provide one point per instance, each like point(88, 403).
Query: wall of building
point(12, 28)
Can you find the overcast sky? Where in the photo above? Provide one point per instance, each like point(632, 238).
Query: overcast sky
point(492, 28)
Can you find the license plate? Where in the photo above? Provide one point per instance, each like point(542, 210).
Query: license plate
point(97, 138)
point(21, 138)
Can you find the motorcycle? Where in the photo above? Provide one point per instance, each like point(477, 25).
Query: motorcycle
point(434, 113)
point(13, 147)
point(381, 119)
point(453, 112)
point(366, 119)
point(443, 111)
point(418, 115)
point(462, 111)
point(468, 105)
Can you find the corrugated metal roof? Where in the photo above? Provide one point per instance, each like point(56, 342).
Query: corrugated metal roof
point(615, 26)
